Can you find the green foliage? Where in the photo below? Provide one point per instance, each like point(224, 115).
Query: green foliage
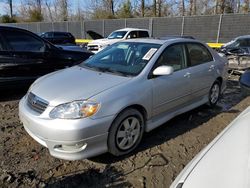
point(125, 10)
point(35, 15)
point(7, 19)
point(102, 14)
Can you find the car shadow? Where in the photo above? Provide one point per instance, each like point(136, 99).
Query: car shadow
point(11, 94)
point(90, 178)
point(182, 123)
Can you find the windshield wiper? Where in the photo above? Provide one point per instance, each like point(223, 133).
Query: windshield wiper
point(106, 69)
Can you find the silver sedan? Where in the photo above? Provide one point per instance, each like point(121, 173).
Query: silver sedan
point(106, 103)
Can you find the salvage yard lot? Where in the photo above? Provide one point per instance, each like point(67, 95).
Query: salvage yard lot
point(162, 154)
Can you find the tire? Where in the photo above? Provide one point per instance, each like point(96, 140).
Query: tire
point(214, 93)
point(126, 132)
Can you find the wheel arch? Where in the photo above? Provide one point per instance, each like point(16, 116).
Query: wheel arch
point(137, 107)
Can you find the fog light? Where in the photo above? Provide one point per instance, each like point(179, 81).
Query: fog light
point(73, 148)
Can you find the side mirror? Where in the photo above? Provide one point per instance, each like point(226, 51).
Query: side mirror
point(163, 70)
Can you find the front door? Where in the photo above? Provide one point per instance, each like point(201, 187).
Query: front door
point(172, 91)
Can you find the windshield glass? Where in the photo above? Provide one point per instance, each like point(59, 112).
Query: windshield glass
point(117, 35)
point(124, 58)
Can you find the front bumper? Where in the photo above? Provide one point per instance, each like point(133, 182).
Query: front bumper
point(66, 139)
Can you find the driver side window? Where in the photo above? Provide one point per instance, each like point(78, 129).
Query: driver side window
point(21, 41)
point(173, 56)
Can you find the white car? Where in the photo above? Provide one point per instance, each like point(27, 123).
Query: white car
point(118, 35)
point(224, 163)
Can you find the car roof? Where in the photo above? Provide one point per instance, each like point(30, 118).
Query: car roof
point(131, 29)
point(161, 41)
point(243, 37)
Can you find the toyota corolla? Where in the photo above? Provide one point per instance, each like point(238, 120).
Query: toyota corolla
point(106, 103)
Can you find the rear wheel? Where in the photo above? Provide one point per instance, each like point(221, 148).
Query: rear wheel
point(214, 93)
point(126, 132)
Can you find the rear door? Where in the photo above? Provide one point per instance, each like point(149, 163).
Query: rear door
point(201, 69)
point(28, 52)
point(171, 92)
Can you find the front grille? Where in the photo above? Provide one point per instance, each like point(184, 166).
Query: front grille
point(36, 103)
point(93, 47)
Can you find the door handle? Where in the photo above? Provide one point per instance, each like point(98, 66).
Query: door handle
point(211, 68)
point(187, 75)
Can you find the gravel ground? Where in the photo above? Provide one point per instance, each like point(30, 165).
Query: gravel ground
point(162, 154)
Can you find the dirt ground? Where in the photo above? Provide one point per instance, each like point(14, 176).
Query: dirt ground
point(162, 154)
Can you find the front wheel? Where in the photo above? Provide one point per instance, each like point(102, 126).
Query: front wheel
point(214, 93)
point(126, 132)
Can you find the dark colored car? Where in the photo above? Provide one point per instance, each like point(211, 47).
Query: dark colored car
point(245, 83)
point(58, 37)
point(238, 46)
point(24, 56)
point(237, 52)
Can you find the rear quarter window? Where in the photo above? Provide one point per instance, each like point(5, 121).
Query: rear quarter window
point(198, 54)
point(143, 34)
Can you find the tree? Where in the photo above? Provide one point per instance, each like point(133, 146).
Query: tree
point(8, 19)
point(11, 7)
point(245, 7)
point(35, 15)
point(142, 8)
point(182, 8)
point(126, 10)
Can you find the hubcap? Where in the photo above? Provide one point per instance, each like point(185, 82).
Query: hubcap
point(215, 92)
point(128, 133)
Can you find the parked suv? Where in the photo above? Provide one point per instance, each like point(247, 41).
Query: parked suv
point(58, 37)
point(110, 100)
point(118, 35)
point(24, 56)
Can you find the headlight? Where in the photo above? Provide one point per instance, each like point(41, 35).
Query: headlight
point(75, 110)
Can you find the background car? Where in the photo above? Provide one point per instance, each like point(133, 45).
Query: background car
point(118, 35)
point(58, 37)
point(222, 163)
point(238, 53)
point(24, 56)
point(110, 100)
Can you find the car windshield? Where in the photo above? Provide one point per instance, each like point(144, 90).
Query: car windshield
point(123, 58)
point(117, 35)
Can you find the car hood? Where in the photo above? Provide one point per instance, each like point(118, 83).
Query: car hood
point(105, 41)
point(74, 83)
point(227, 162)
point(94, 35)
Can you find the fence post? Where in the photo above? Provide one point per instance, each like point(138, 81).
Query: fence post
point(219, 28)
point(182, 25)
point(125, 22)
point(103, 28)
point(151, 26)
point(82, 29)
point(67, 26)
point(38, 27)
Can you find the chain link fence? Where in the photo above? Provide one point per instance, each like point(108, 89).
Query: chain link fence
point(215, 28)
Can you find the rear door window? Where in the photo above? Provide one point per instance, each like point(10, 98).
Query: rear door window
point(21, 41)
point(198, 54)
point(133, 34)
point(143, 34)
point(61, 35)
